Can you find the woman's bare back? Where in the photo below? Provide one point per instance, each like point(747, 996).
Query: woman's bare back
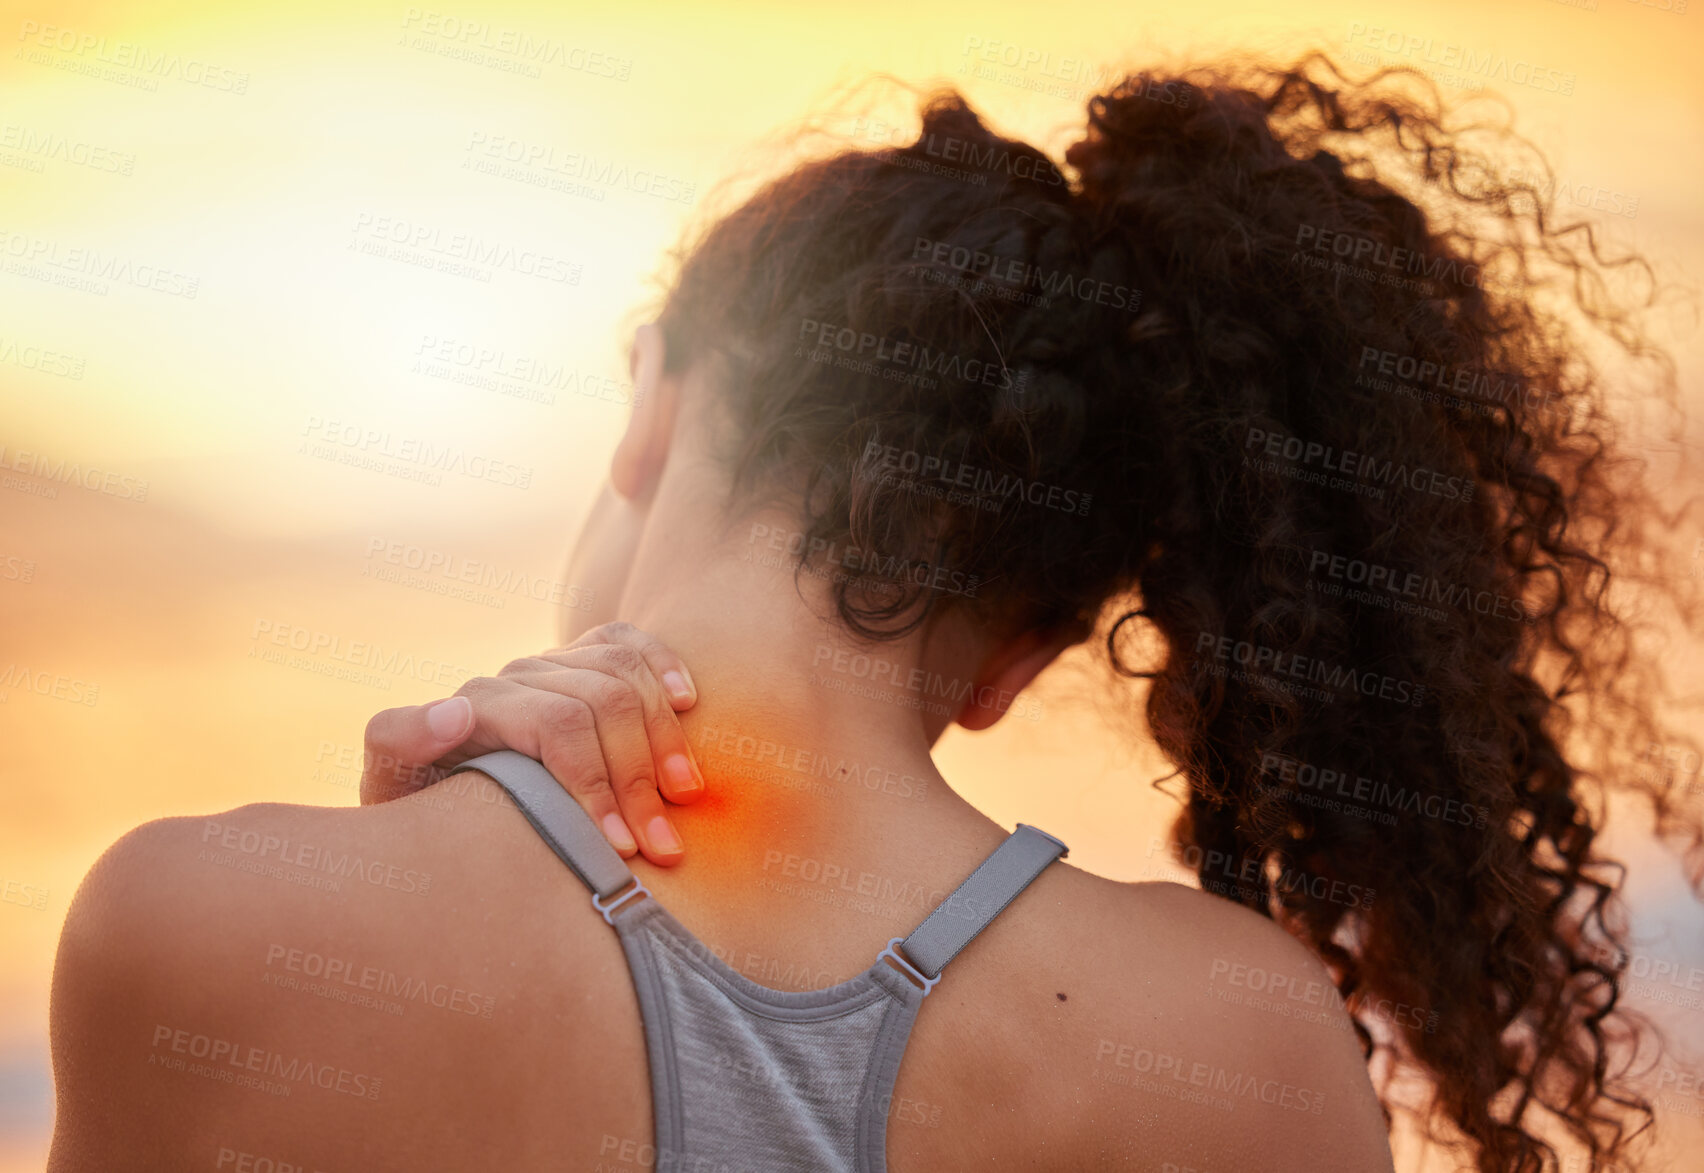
point(423, 985)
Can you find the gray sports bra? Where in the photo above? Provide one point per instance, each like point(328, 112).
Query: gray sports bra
point(744, 1078)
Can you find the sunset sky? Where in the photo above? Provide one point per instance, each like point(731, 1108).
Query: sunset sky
point(280, 178)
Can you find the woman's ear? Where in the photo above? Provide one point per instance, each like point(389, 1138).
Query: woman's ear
point(1009, 670)
point(638, 462)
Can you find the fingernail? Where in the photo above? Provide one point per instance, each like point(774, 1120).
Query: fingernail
point(663, 836)
point(615, 830)
point(451, 718)
point(679, 773)
point(679, 686)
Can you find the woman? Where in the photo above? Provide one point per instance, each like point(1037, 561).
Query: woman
point(1317, 462)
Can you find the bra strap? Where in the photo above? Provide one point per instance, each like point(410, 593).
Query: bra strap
point(975, 903)
point(561, 823)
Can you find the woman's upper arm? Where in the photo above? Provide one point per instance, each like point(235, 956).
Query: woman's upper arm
point(1266, 1071)
point(145, 1011)
point(115, 959)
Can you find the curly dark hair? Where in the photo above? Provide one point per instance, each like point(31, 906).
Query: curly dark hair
point(1281, 374)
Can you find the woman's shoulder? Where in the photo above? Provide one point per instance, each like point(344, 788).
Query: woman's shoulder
point(329, 972)
point(1213, 1035)
point(1193, 929)
point(175, 885)
point(1186, 924)
point(271, 876)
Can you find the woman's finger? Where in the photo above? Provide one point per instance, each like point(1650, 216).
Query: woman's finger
point(570, 746)
point(638, 736)
point(665, 665)
point(559, 731)
point(402, 744)
point(602, 759)
point(674, 769)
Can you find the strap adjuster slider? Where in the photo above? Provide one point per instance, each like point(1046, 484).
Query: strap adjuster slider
point(608, 910)
point(928, 983)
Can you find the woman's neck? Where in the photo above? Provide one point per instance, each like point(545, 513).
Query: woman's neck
point(809, 741)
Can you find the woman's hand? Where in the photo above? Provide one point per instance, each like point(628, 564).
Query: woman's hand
point(600, 715)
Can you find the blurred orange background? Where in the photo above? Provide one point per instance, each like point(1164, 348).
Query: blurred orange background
point(220, 227)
